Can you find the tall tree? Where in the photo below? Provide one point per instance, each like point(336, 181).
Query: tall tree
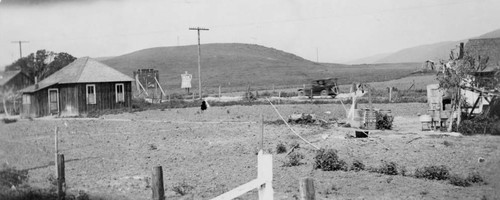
point(41, 64)
point(458, 74)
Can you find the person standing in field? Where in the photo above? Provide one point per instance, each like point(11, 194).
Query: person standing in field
point(204, 105)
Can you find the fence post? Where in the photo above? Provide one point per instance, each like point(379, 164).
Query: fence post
point(265, 173)
point(61, 181)
point(390, 94)
point(157, 186)
point(56, 147)
point(307, 189)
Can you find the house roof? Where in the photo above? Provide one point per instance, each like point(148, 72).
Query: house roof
point(7, 76)
point(82, 70)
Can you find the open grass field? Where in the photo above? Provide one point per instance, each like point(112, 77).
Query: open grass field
point(112, 157)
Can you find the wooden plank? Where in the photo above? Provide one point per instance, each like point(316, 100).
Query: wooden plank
point(242, 189)
point(307, 189)
point(61, 180)
point(157, 186)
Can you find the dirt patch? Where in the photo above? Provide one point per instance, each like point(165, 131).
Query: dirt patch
point(216, 151)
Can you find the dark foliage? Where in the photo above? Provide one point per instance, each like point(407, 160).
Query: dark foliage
point(388, 168)
point(37, 65)
point(182, 188)
point(280, 148)
point(328, 160)
point(294, 159)
point(8, 121)
point(481, 124)
point(357, 166)
point(384, 121)
point(440, 172)
point(475, 177)
point(10, 176)
point(459, 181)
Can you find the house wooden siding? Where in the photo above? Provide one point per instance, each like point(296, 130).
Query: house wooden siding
point(18, 82)
point(73, 99)
point(105, 97)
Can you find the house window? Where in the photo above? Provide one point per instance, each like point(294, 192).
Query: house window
point(26, 99)
point(120, 95)
point(91, 94)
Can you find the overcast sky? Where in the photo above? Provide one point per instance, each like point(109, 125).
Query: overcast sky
point(341, 30)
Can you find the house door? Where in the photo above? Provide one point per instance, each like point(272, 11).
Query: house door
point(53, 101)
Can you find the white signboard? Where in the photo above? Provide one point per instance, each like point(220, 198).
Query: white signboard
point(186, 80)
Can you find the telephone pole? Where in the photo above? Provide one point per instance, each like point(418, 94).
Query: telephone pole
point(20, 47)
point(317, 57)
point(199, 56)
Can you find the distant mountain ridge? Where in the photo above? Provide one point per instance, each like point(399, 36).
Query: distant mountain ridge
point(435, 51)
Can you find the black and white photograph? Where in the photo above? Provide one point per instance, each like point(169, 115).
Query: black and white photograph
point(249, 99)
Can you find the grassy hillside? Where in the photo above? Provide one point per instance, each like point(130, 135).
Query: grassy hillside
point(435, 51)
point(222, 64)
point(237, 65)
point(422, 53)
point(491, 34)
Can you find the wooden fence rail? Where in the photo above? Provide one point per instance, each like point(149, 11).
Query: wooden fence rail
point(263, 183)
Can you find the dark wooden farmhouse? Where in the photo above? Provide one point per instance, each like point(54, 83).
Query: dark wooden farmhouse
point(83, 86)
point(14, 81)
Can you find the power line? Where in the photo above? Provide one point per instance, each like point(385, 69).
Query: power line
point(199, 56)
point(20, 47)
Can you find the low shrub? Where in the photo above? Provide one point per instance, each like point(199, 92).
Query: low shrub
point(440, 172)
point(294, 159)
point(182, 188)
point(8, 121)
point(481, 124)
point(384, 121)
point(280, 148)
point(388, 168)
point(9, 176)
point(458, 181)
point(328, 160)
point(357, 166)
point(475, 177)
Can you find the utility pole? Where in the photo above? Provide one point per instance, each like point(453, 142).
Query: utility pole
point(199, 56)
point(20, 48)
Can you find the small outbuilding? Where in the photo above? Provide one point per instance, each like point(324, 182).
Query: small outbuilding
point(84, 86)
point(14, 81)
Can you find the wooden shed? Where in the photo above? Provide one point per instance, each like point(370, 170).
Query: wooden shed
point(14, 81)
point(85, 85)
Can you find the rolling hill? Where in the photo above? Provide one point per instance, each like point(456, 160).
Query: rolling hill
point(435, 51)
point(233, 65)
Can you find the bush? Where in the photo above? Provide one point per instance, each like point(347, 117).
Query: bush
point(280, 148)
point(384, 121)
point(294, 159)
point(357, 166)
point(481, 124)
point(182, 188)
point(328, 160)
point(10, 176)
point(458, 181)
point(433, 172)
point(475, 177)
point(8, 121)
point(388, 168)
